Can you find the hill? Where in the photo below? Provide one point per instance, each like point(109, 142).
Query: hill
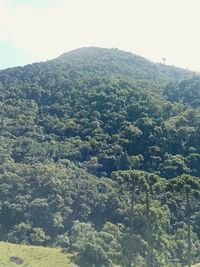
point(91, 97)
point(96, 145)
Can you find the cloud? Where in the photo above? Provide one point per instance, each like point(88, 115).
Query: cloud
point(49, 31)
point(5, 18)
point(68, 24)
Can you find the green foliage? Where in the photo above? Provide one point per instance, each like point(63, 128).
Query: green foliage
point(98, 248)
point(100, 154)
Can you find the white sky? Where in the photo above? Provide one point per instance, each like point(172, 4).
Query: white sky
point(150, 28)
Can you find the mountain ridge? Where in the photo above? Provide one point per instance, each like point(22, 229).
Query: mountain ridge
point(97, 52)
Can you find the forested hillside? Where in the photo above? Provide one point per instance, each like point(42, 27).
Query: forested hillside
point(100, 154)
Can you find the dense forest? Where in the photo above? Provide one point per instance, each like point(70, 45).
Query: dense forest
point(100, 154)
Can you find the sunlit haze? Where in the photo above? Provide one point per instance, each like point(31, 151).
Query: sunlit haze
point(37, 30)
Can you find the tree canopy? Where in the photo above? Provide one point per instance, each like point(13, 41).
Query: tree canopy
point(97, 148)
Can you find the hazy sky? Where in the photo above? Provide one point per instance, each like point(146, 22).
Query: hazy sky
point(36, 30)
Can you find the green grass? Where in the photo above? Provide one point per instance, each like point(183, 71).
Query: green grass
point(33, 256)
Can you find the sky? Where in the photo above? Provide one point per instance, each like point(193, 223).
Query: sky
point(37, 30)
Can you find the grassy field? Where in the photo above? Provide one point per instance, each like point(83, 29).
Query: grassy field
point(32, 256)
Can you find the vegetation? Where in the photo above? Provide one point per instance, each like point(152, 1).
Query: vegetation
point(100, 154)
point(33, 256)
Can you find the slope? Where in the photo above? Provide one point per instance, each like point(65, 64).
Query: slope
point(85, 135)
point(92, 96)
point(33, 256)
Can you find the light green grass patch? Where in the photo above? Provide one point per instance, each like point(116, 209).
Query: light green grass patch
point(33, 256)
